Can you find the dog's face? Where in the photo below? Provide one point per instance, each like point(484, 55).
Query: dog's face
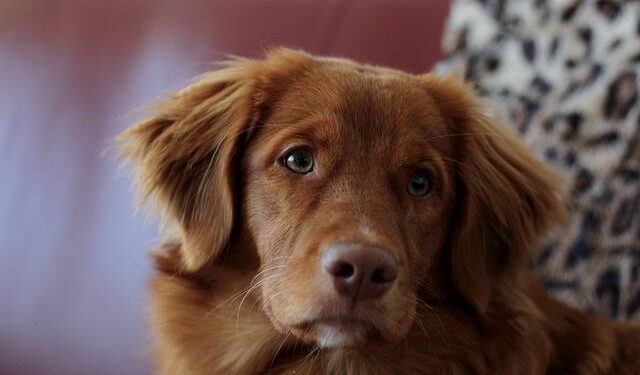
point(348, 191)
point(363, 191)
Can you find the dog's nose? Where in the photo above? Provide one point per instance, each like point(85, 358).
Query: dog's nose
point(360, 271)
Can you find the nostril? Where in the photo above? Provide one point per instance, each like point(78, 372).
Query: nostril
point(343, 270)
point(383, 275)
point(378, 276)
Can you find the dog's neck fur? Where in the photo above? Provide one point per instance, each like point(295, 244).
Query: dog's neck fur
point(212, 326)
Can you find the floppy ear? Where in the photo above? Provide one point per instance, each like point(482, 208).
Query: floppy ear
point(186, 152)
point(507, 199)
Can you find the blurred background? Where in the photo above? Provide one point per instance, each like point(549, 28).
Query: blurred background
point(73, 256)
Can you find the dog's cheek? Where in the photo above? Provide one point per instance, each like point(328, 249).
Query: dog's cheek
point(398, 312)
point(279, 232)
point(304, 284)
point(427, 237)
point(261, 215)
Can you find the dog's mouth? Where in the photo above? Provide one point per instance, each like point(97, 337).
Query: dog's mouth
point(338, 332)
point(343, 323)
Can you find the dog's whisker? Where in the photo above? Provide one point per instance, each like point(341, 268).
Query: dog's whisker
point(265, 270)
point(272, 296)
point(278, 349)
point(237, 295)
point(247, 293)
point(417, 319)
point(309, 357)
point(432, 311)
point(229, 300)
point(269, 299)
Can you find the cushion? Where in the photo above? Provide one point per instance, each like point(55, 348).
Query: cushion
point(564, 75)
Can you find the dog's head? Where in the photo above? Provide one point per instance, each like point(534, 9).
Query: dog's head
point(363, 191)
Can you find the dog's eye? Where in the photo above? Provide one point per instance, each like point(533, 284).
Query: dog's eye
point(419, 184)
point(299, 161)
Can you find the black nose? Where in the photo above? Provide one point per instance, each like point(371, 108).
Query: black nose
point(360, 271)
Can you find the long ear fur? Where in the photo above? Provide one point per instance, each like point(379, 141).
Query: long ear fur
point(185, 152)
point(507, 198)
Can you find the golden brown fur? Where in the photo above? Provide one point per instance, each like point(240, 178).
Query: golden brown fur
point(238, 288)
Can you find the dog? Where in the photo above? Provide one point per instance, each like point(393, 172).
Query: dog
point(330, 217)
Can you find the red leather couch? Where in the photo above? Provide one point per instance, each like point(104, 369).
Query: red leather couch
point(73, 263)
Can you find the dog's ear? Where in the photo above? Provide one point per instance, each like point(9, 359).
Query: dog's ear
point(507, 199)
point(186, 152)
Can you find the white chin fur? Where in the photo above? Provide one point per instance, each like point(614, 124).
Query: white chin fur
point(330, 336)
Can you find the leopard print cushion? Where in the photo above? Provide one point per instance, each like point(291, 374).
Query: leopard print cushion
point(564, 74)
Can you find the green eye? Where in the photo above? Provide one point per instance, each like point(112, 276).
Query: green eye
point(419, 184)
point(299, 161)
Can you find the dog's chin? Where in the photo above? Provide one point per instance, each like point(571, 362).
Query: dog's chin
point(336, 324)
point(337, 333)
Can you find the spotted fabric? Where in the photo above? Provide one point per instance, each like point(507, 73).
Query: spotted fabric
point(564, 74)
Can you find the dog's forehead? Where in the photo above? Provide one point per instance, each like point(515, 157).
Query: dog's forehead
point(369, 104)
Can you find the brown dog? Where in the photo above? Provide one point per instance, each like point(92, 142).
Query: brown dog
point(348, 219)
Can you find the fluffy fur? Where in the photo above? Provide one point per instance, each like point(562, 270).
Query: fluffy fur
point(238, 288)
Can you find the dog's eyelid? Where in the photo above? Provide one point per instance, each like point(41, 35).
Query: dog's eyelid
point(295, 147)
point(435, 167)
point(279, 150)
point(282, 155)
